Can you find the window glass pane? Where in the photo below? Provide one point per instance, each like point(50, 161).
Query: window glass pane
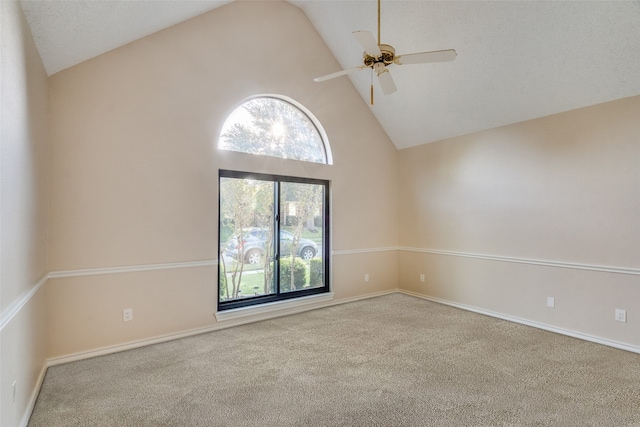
point(270, 126)
point(273, 234)
point(246, 238)
point(301, 236)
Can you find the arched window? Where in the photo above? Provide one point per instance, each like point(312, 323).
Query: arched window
point(273, 229)
point(275, 126)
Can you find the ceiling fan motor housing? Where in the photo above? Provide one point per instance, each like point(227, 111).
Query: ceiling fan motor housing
point(387, 56)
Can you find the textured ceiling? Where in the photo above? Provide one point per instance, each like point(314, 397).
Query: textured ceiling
point(68, 32)
point(517, 60)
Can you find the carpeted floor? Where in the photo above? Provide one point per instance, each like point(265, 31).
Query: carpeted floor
point(395, 360)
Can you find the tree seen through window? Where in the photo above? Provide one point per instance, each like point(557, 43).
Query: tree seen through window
point(271, 126)
point(255, 266)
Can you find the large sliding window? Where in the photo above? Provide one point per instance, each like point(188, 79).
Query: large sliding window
point(274, 238)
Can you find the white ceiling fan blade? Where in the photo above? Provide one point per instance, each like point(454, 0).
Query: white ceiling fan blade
point(426, 57)
point(368, 42)
point(336, 74)
point(386, 83)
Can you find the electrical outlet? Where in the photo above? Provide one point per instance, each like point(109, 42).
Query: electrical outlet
point(621, 315)
point(421, 277)
point(127, 314)
point(13, 391)
point(551, 302)
point(366, 277)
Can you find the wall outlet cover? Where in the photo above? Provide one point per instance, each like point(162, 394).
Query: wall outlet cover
point(621, 315)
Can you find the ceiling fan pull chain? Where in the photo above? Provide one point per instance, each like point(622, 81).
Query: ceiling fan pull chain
point(371, 74)
point(378, 57)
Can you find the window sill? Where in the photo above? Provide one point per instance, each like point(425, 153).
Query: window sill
point(274, 309)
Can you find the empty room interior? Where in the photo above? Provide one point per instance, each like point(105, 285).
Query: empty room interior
point(502, 180)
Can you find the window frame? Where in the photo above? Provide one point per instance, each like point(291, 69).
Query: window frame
point(324, 139)
point(287, 295)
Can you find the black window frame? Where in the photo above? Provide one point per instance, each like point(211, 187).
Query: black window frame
point(287, 295)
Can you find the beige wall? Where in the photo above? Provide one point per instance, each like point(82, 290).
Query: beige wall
point(23, 213)
point(129, 169)
point(134, 170)
point(563, 189)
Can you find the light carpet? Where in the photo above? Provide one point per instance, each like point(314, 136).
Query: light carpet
point(394, 360)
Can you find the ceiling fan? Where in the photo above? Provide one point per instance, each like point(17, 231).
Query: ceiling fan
point(379, 57)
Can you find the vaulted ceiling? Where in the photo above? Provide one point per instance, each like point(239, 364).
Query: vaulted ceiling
point(517, 60)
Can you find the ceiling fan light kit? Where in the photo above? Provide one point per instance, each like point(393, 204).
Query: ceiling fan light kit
point(378, 57)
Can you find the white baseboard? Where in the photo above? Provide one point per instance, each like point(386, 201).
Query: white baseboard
point(223, 325)
point(579, 335)
point(286, 312)
point(103, 351)
point(274, 314)
point(34, 396)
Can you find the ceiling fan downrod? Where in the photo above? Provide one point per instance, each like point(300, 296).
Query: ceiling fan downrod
point(378, 57)
point(378, 22)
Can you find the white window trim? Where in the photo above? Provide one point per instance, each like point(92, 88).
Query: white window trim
point(303, 109)
point(276, 308)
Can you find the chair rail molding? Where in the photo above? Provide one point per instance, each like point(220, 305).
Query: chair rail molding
point(546, 263)
point(10, 312)
point(131, 268)
point(364, 251)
